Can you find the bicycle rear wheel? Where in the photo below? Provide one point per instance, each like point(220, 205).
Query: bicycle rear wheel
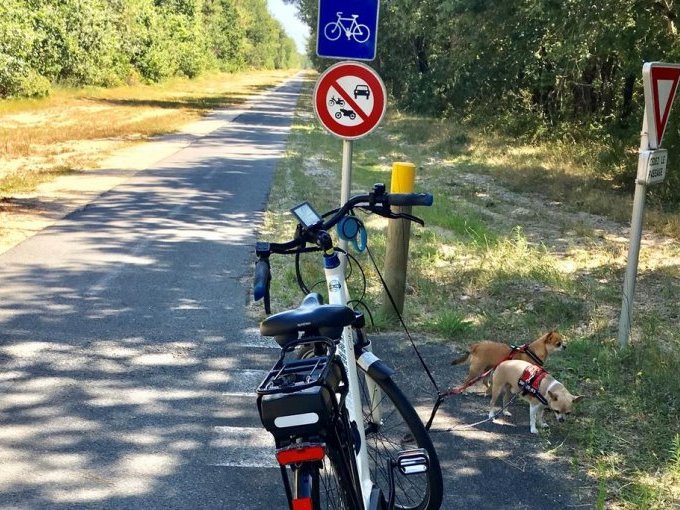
point(333, 486)
point(330, 483)
point(392, 425)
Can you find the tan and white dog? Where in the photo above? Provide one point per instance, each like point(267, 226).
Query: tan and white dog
point(534, 385)
point(487, 354)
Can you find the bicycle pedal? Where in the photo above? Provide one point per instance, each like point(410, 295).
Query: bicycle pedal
point(414, 461)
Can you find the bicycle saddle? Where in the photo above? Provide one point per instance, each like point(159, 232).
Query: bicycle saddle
point(311, 317)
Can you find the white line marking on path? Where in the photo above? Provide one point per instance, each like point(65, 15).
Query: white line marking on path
point(243, 447)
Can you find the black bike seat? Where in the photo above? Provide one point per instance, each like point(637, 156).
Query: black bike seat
point(311, 318)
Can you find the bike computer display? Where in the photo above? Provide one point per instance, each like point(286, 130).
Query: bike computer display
point(306, 214)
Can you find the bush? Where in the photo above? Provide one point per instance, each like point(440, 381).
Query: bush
point(17, 79)
point(107, 42)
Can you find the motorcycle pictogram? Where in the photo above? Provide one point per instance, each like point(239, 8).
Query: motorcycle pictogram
point(339, 101)
point(346, 113)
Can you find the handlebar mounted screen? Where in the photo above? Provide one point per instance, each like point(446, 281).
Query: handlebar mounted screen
point(306, 214)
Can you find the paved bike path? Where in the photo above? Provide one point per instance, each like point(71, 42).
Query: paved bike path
point(122, 336)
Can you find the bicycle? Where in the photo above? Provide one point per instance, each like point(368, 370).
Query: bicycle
point(346, 436)
point(355, 30)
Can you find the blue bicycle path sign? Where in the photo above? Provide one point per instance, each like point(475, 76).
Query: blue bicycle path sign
point(347, 29)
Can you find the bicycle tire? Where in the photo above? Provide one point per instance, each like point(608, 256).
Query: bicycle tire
point(335, 479)
point(334, 484)
point(332, 31)
point(323, 485)
point(384, 440)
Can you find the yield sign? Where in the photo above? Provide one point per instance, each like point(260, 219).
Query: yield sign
point(660, 84)
point(349, 100)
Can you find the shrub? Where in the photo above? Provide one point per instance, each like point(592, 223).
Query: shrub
point(108, 42)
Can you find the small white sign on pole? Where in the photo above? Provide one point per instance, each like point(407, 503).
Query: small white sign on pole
point(652, 166)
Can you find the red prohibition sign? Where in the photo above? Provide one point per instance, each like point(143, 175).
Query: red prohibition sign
point(349, 100)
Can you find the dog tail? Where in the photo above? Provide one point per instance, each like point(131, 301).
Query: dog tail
point(462, 359)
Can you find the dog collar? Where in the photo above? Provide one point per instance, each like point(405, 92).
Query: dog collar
point(555, 382)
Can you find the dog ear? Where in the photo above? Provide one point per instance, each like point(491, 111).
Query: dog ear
point(552, 395)
point(577, 398)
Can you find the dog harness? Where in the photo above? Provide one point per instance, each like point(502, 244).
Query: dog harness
point(530, 381)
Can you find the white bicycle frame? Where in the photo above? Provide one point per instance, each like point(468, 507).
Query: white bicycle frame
point(338, 293)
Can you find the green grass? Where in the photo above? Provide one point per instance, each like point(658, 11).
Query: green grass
point(480, 269)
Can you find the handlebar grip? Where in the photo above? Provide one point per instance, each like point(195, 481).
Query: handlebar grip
point(263, 278)
point(410, 199)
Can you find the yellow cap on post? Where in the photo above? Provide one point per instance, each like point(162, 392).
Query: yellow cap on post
point(403, 178)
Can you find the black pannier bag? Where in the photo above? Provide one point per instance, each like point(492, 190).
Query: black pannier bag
point(302, 397)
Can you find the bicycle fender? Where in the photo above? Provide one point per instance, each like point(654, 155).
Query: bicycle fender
point(377, 501)
point(374, 366)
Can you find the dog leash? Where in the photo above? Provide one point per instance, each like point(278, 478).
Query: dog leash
point(472, 425)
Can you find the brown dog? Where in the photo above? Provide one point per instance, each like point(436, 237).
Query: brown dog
point(546, 391)
point(485, 355)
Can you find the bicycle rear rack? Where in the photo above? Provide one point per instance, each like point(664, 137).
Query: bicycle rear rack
point(299, 397)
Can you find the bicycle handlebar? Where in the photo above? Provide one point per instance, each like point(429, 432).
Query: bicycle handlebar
point(262, 278)
point(377, 201)
point(402, 199)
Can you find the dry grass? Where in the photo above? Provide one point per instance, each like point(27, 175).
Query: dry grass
point(73, 129)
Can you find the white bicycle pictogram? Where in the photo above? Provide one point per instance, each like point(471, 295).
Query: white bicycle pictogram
point(350, 26)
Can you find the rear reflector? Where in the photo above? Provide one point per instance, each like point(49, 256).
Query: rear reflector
point(300, 453)
point(302, 504)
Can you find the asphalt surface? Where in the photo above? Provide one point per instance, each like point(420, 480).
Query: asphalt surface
point(122, 330)
point(128, 364)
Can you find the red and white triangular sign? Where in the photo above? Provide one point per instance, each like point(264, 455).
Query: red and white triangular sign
point(660, 83)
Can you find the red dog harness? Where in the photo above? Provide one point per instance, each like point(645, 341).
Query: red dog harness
point(530, 381)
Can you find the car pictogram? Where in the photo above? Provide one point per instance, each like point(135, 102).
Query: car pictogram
point(362, 90)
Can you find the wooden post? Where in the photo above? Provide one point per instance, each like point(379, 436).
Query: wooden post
point(396, 252)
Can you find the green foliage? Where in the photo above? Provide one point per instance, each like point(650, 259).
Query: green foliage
point(534, 69)
point(108, 42)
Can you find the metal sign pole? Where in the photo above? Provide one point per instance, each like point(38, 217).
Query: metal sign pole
point(634, 248)
point(346, 183)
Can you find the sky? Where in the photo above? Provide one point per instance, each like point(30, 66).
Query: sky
point(286, 14)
